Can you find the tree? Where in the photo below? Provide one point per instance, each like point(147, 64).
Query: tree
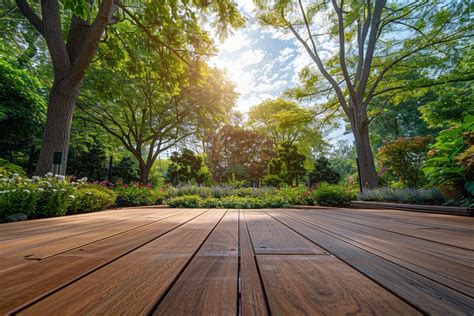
point(187, 167)
point(404, 158)
point(283, 120)
point(147, 118)
point(235, 152)
point(171, 25)
point(288, 164)
point(88, 160)
point(366, 36)
point(125, 170)
point(323, 172)
point(22, 109)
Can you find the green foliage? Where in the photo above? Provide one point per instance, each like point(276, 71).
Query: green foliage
point(17, 195)
point(187, 167)
point(236, 153)
point(323, 172)
point(90, 198)
point(137, 195)
point(8, 168)
point(406, 195)
point(450, 158)
point(288, 163)
point(22, 109)
point(296, 196)
point(195, 201)
point(89, 161)
point(125, 171)
point(404, 158)
point(57, 195)
point(333, 195)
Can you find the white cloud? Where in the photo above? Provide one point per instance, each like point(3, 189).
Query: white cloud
point(251, 57)
point(234, 42)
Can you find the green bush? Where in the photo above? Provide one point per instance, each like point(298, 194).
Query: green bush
point(90, 198)
point(57, 195)
point(138, 195)
point(333, 195)
point(195, 201)
point(17, 196)
point(296, 196)
point(187, 201)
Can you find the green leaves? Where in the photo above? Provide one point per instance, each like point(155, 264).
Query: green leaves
point(80, 8)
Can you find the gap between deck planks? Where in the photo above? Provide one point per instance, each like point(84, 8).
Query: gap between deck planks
point(250, 262)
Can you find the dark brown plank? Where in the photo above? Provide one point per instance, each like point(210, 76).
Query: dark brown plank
point(271, 237)
point(134, 282)
point(252, 297)
point(323, 285)
point(428, 295)
point(402, 250)
point(209, 284)
point(26, 284)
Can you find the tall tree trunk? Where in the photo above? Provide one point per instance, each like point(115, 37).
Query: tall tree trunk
point(367, 171)
point(56, 130)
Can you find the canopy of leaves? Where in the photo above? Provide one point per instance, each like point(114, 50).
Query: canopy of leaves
point(22, 108)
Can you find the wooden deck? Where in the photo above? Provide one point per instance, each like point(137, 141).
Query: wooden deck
point(231, 262)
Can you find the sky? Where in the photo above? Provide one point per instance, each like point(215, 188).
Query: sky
point(263, 62)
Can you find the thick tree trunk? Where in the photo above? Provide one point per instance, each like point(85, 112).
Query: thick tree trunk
point(56, 131)
point(368, 173)
point(144, 173)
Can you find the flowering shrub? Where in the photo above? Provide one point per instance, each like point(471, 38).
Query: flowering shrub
point(137, 195)
point(50, 196)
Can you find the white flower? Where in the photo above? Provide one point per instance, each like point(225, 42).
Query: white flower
point(5, 191)
point(4, 179)
point(72, 197)
point(62, 190)
point(48, 175)
point(35, 178)
point(60, 177)
point(54, 190)
point(83, 179)
point(40, 189)
point(15, 175)
point(27, 191)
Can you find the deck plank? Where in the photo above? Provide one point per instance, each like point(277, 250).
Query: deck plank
point(252, 298)
point(209, 284)
point(133, 282)
point(426, 294)
point(40, 245)
point(271, 237)
point(26, 284)
point(323, 285)
point(402, 251)
point(434, 230)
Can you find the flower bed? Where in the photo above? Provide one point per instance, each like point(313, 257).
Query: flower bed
point(50, 196)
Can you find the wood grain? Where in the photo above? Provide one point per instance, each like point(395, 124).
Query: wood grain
point(323, 285)
point(26, 284)
point(426, 294)
point(132, 283)
point(270, 236)
point(252, 297)
point(208, 286)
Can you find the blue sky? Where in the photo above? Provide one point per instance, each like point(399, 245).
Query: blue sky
point(263, 62)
